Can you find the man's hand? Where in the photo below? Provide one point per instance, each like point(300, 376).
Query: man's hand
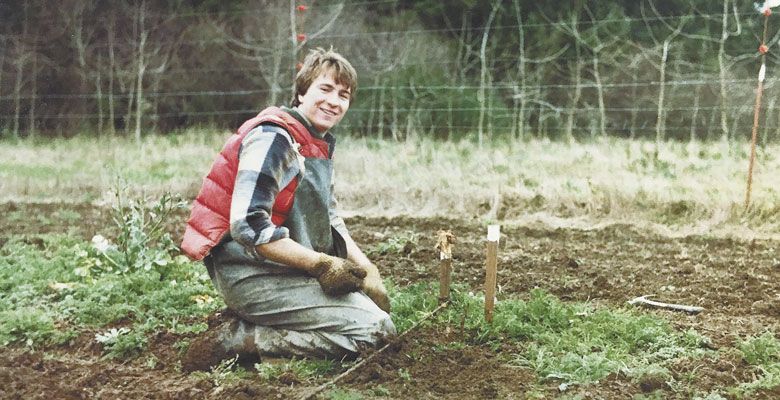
point(338, 276)
point(375, 289)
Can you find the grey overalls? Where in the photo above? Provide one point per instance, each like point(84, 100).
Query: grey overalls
point(284, 311)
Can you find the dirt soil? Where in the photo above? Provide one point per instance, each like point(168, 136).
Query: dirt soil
point(737, 282)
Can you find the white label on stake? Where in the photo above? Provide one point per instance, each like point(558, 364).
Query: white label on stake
point(494, 232)
point(762, 73)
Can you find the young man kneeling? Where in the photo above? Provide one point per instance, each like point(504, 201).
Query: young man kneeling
point(265, 226)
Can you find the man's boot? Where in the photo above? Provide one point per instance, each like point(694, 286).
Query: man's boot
point(226, 340)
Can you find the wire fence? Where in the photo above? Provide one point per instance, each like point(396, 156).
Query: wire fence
point(419, 79)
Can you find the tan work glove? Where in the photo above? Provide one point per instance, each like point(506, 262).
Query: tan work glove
point(338, 276)
point(375, 289)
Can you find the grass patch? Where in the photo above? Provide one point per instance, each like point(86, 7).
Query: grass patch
point(226, 373)
point(44, 299)
point(572, 342)
point(54, 286)
point(763, 353)
point(297, 370)
point(760, 350)
point(402, 243)
point(341, 394)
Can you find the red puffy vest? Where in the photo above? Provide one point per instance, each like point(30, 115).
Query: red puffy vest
point(210, 214)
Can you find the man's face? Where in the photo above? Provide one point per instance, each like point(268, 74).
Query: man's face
point(325, 103)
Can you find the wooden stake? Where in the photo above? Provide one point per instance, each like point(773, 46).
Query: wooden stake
point(491, 270)
point(444, 245)
point(756, 111)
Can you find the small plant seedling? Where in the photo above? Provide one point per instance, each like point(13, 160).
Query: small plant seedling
point(305, 370)
point(341, 394)
point(404, 374)
point(403, 243)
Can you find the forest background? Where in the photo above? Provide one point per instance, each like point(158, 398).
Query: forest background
point(447, 70)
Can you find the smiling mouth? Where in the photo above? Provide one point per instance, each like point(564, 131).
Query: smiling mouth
point(329, 112)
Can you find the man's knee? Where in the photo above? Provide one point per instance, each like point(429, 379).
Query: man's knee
point(377, 332)
point(386, 326)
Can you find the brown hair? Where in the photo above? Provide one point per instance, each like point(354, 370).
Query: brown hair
point(319, 61)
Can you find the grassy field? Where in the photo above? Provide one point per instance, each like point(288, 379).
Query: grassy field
point(688, 188)
point(125, 297)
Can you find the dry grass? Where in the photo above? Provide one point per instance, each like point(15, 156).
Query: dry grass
point(691, 188)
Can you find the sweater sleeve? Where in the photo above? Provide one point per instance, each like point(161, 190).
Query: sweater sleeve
point(267, 163)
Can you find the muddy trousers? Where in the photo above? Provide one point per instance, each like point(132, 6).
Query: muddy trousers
point(285, 313)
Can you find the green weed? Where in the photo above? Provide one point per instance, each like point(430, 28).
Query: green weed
point(53, 286)
point(381, 391)
point(404, 375)
point(760, 350)
point(572, 342)
point(142, 244)
point(304, 370)
point(31, 326)
point(711, 396)
point(411, 303)
point(763, 352)
point(122, 342)
point(226, 373)
point(341, 394)
point(402, 243)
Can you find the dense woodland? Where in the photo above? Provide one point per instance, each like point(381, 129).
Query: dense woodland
point(682, 69)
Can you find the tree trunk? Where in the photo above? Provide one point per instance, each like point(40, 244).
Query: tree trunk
point(129, 85)
point(484, 72)
point(410, 120)
point(515, 111)
point(20, 62)
point(634, 106)
point(491, 93)
point(374, 100)
point(294, 48)
point(141, 70)
point(724, 103)
point(33, 95)
point(394, 124)
point(660, 127)
point(99, 94)
point(463, 53)
point(577, 94)
point(3, 46)
point(18, 93)
point(712, 122)
point(541, 128)
point(450, 118)
point(155, 108)
point(695, 116)
point(600, 91)
point(111, 69)
point(381, 128)
point(521, 70)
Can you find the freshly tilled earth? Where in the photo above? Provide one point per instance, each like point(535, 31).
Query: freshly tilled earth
point(736, 281)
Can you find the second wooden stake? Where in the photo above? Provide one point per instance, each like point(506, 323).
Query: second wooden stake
point(490, 270)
